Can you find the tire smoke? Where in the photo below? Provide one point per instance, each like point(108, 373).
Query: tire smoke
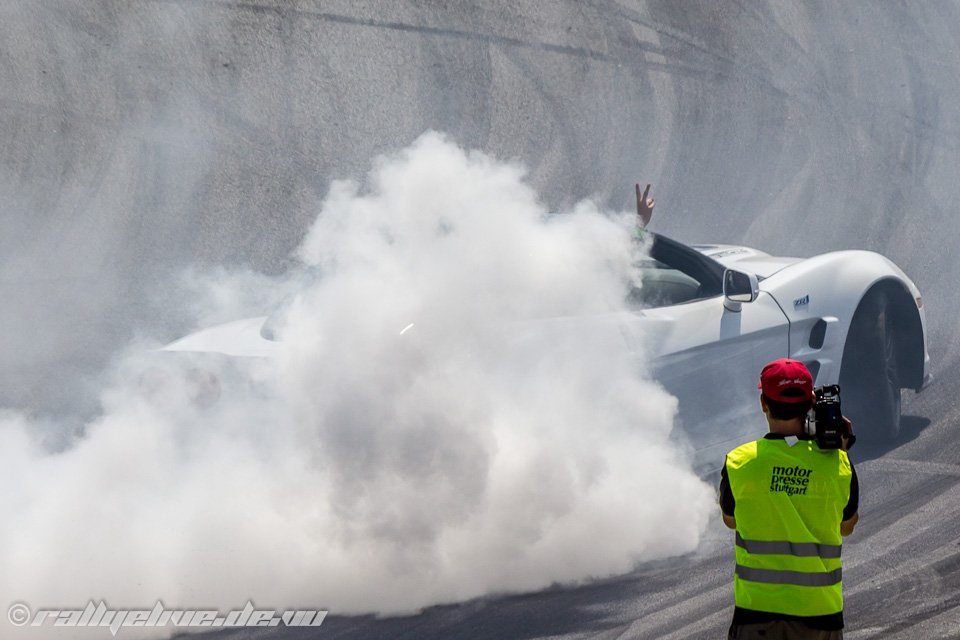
point(451, 411)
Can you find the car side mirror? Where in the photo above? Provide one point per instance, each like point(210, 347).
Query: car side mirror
point(739, 287)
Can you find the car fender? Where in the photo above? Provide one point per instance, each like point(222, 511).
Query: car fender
point(820, 295)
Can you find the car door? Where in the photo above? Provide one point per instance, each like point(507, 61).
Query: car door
point(704, 352)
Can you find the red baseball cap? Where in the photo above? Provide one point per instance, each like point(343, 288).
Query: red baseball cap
point(786, 380)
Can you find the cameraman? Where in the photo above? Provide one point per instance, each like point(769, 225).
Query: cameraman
point(790, 502)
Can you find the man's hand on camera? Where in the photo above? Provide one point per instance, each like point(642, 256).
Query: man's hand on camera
point(849, 439)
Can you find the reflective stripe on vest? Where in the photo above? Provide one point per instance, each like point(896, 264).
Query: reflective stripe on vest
point(786, 548)
point(799, 578)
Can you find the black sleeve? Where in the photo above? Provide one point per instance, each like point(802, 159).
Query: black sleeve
point(727, 503)
point(854, 503)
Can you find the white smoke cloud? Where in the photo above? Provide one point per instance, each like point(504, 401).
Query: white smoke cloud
point(452, 412)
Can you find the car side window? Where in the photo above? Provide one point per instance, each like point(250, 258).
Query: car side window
point(661, 285)
point(673, 274)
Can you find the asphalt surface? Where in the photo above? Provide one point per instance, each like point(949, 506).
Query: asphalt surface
point(141, 136)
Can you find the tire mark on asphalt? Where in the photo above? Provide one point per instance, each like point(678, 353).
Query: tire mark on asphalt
point(338, 18)
point(917, 576)
point(627, 53)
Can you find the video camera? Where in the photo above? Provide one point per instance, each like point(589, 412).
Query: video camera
point(826, 424)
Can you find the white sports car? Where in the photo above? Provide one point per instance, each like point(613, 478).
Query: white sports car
point(853, 317)
point(718, 313)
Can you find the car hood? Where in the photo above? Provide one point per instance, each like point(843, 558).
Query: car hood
point(239, 338)
point(746, 259)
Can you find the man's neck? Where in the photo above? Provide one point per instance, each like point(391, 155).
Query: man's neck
point(786, 427)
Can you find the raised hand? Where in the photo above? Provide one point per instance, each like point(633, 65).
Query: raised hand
point(644, 206)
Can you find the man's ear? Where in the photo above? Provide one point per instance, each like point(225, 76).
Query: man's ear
point(763, 404)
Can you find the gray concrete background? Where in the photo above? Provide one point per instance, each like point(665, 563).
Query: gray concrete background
point(139, 137)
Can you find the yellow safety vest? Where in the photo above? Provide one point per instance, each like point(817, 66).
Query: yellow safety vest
point(789, 503)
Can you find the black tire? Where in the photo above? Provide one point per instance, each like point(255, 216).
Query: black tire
point(869, 379)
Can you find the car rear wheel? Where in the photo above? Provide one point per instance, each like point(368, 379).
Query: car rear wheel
point(869, 380)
